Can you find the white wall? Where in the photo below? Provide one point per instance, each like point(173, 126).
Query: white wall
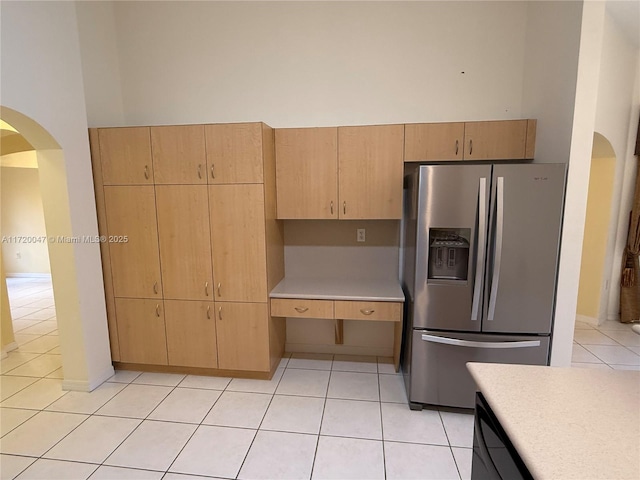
point(318, 63)
point(41, 79)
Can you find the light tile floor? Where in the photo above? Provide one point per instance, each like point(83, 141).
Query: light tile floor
point(321, 416)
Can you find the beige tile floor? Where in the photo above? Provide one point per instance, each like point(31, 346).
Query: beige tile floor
point(320, 416)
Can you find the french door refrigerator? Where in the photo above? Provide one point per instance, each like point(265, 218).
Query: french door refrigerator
point(480, 250)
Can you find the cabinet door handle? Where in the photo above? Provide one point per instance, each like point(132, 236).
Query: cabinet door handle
point(213, 175)
point(157, 309)
point(470, 146)
point(367, 312)
point(457, 147)
point(220, 313)
point(209, 312)
point(300, 309)
point(146, 172)
point(344, 207)
point(331, 207)
point(206, 288)
point(199, 170)
point(218, 289)
point(155, 288)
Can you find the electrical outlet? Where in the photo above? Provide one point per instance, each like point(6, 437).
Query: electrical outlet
point(361, 234)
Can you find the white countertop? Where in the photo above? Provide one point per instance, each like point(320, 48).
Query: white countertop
point(339, 289)
point(567, 423)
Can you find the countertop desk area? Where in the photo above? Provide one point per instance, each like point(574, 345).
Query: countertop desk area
point(340, 299)
point(567, 423)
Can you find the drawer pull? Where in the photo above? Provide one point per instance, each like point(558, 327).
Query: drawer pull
point(157, 310)
point(155, 288)
point(206, 288)
point(209, 312)
point(199, 170)
point(220, 313)
point(301, 309)
point(367, 312)
point(146, 172)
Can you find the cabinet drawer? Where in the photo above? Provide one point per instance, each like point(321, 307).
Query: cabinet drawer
point(301, 308)
point(385, 311)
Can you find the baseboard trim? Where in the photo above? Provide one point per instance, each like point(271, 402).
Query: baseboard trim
point(28, 275)
point(86, 385)
point(590, 320)
point(8, 348)
point(339, 349)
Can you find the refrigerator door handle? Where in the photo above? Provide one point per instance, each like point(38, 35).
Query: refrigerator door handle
point(498, 248)
point(470, 343)
point(481, 248)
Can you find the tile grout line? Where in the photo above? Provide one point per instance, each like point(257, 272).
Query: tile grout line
point(324, 407)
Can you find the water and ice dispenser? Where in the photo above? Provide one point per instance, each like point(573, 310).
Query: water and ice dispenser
point(448, 253)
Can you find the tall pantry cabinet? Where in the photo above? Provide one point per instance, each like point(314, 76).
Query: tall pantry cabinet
point(192, 246)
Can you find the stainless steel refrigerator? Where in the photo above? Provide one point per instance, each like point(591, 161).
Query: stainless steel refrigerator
point(480, 247)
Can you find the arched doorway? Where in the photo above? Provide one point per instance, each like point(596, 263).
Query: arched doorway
point(598, 232)
point(83, 335)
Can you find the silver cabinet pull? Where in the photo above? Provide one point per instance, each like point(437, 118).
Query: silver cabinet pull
point(220, 313)
point(155, 288)
point(209, 312)
point(457, 147)
point(219, 289)
point(344, 207)
point(367, 312)
point(301, 309)
point(206, 288)
point(470, 146)
point(199, 170)
point(474, 344)
point(331, 207)
point(497, 257)
point(157, 309)
point(146, 172)
point(481, 248)
point(213, 175)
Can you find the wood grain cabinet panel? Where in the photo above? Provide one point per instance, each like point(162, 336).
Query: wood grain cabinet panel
point(191, 333)
point(125, 154)
point(307, 173)
point(179, 154)
point(185, 241)
point(243, 336)
point(131, 219)
point(356, 310)
point(433, 142)
point(496, 140)
point(234, 153)
point(141, 330)
point(301, 308)
point(370, 171)
point(238, 242)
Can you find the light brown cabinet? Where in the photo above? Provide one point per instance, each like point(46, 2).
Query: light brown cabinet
point(191, 333)
point(179, 154)
point(141, 330)
point(133, 241)
point(185, 245)
point(126, 156)
point(238, 242)
point(346, 172)
point(490, 140)
point(234, 153)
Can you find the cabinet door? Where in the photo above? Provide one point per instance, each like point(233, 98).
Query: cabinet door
point(179, 154)
point(234, 153)
point(433, 141)
point(125, 154)
point(141, 331)
point(370, 171)
point(185, 241)
point(307, 173)
point(238, 242)
point(131, 220)
point(191, 333)
point(499, 140)
point(243, 336)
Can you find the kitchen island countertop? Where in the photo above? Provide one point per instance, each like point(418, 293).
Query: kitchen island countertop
point(567, 423)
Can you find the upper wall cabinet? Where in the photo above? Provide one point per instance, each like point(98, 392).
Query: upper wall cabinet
point(234, 153)
point(342, 173)
point(307, 172)
point(179, 154)
point(492, 140)
point(126, 156)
